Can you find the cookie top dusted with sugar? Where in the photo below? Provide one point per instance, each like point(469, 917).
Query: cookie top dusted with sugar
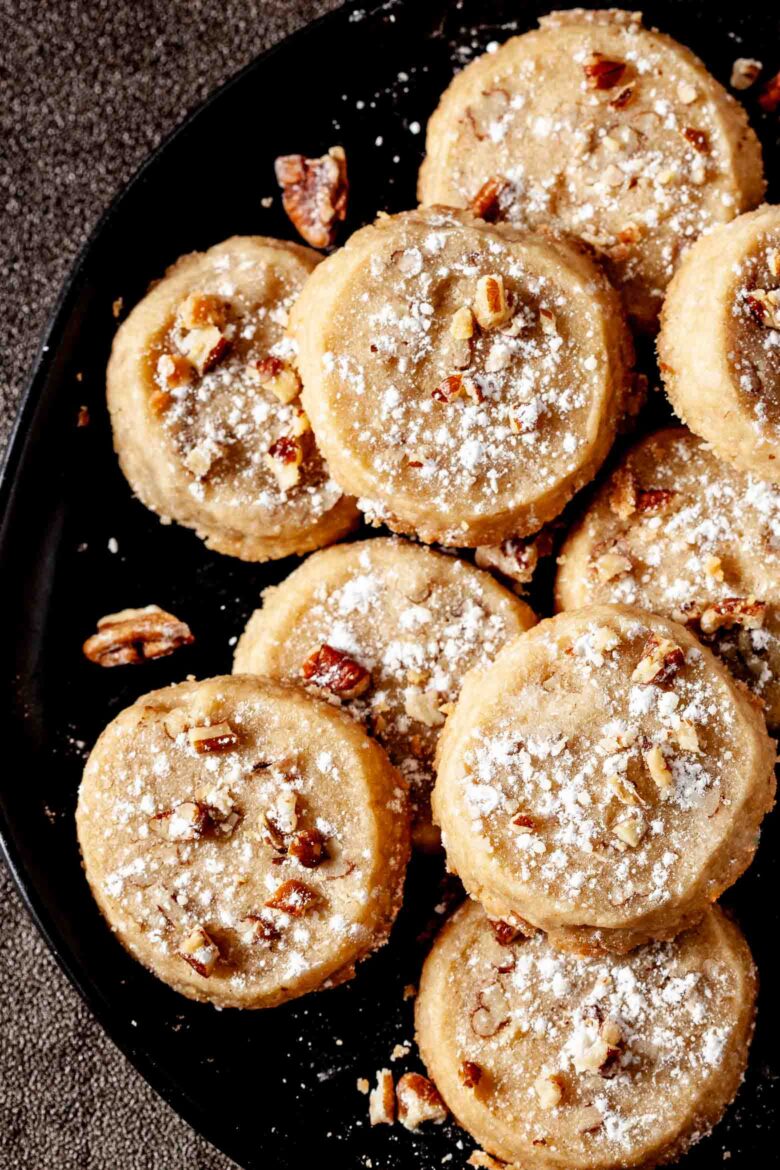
point(603, 128)
point(205, 405)
point(246, 842)
point(387, 629)
point(679, 532)
point(559, 1060)
point(604, 780)
point(462, 379)
point(719, 345)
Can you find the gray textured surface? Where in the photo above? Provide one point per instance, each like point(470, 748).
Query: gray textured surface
point(87, 88)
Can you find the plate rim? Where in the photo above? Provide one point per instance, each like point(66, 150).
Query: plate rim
point(120, 1034)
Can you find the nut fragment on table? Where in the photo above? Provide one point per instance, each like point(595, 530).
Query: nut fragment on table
point(419, 1101)
point(314, 194)
point(381, 1099)
point(135, 635)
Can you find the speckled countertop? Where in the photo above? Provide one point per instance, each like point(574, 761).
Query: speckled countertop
point(87, 89)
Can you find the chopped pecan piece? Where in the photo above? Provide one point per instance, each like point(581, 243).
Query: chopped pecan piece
point(630, 830)
point(491, 307)
point(603, 1055)
point(486, 204)
point(202, 309)
point(504, 932)
point(282, 817)
point(744, 72)
point(698, 139)
point(623, 98)
point(314, 194)
point(381, 1099)
point(602, 72)
point(659, 770)
point(424, 707)
point(134, 635)
point(470, 1074)
point(610, 565)
point(733, 611)
point(419, 1101)
point(687, 736)
point(652, 501)
point(200, 951)
point(765, 306)
point(335, 671)
point(294, 898)
point(284, 457)
point(276, 375)
point(524, 823)
point(462, 324)
point(516, 557)
point(448, 389)
point(217, 737)
point(491, 1013)
point(769, 98)
point(623, 493)
point(205, 347)
point(259, 930)
point(549, 1089)
point(308, 848)
point(661, 660)
point(184, 822)
point(174, 370)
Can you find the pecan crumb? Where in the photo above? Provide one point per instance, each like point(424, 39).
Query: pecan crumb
point(733, 611)
point(135, 635)
point(284, 458)
point(549, 1089)
point(277, 376)
point(698, 139)
point(314, 194)
point(381, 1100)
point(259, 930)
point(419, 1101)
point(744, 72)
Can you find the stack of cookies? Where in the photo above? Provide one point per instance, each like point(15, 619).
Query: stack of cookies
point(458, 373)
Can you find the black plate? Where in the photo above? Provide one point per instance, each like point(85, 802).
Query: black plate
point(270, 1088)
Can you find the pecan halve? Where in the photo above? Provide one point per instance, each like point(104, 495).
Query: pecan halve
point(134, 635)
point(335, 671)
point(314, 194)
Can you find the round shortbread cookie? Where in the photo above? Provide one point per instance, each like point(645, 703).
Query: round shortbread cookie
point(245, 841)
point(464, 380)
point(597, 126)
point(388, 629)
point(719, 345)
point(604, 780)
point(566, 1062)
point(205, 410)
point(676, 531)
